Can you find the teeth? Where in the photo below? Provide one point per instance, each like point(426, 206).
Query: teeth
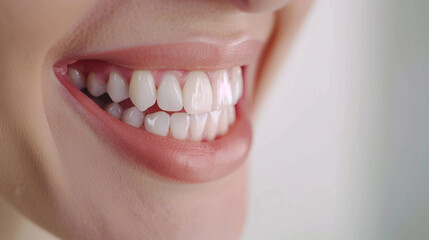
point(231, 114)
point(76, 77)
point(212, 125)
point(114, 109)
point(221, 87)
point(209, 105)
point(158, 123)
point(179, 125)
point(132, 116)
point(116, 87)
point(196, 128)
point(236, 84)
point(95, 85)
point(223, 122)
point(142, 90)
point(197, 93)
point(170, 94)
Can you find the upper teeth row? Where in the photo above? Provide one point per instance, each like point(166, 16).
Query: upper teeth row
point(198, 95)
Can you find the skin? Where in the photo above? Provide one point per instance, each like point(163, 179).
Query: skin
point(57, 172)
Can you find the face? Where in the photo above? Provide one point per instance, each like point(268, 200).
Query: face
point(129, 119)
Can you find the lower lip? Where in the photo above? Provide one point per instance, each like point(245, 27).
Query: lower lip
point(179, 160)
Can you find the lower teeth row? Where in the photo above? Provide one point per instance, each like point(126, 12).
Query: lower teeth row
point(197, 127)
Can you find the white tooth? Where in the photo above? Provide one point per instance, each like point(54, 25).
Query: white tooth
point(76, 77)
point(197, 93)
point(132, 116)
point(223, 122)
point(221, 87)
point(157, 123)
point(196, 128)
point(95, 85)
point(116, 87)
point(179, 125)
point(114, 109)
point(231, 114)
point(169, 93)
point(212, 125)
point(236, 84)
point(142, 90)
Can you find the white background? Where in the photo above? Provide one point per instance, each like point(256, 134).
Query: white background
point(341, 146)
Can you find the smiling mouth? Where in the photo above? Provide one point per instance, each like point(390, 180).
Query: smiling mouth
point(189, 125)
point(194, 105)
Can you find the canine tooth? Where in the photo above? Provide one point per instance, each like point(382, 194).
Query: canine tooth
point(197, 93)
point(157, 123)
point(179, 125)
point(114, 109)
point(169, 97)
point(116, 87)
point(95, 85)
point(142, 90)
point(76, 77)
point(231, 114)
point(132, 116)
point(212, 125)
point(223, 122)
point(196, 128)
point(236, 83)
point(221, 88)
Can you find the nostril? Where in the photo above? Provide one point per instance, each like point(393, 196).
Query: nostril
point(242, 4)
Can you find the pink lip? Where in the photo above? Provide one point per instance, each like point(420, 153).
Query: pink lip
point(195, 54)
point(180, 160)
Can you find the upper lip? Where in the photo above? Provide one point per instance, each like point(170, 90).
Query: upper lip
point(201, 53)
point(180, 160)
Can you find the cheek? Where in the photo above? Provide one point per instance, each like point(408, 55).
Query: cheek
point(28, 29)
point(37, 24)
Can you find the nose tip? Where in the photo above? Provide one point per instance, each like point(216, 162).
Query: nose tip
point(259, 5)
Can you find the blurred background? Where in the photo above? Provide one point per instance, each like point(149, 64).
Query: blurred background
point(341, 146)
